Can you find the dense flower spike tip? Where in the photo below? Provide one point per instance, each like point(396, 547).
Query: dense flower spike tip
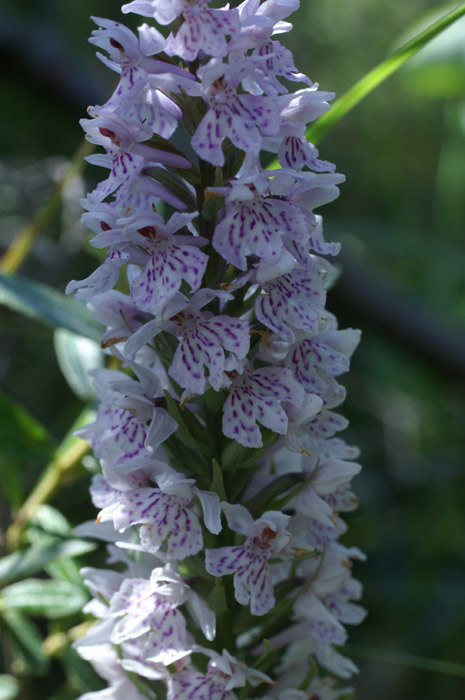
point(225, 365)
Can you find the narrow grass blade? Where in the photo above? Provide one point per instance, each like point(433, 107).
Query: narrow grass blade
point(398, 658)
point(379, 74)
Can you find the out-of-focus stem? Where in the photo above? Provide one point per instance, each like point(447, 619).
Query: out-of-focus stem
point(44, 490)
point(20, 247)
point(68, 455)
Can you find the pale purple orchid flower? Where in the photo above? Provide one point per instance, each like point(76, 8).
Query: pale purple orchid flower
point(168, 261)
point(255, 223)
point(265, 538)
point(256, 396)
point(260, 21)
point(129, 424)
point(242, 255)
point(241, 118)
point(204, 340)
point(204, 30)
point(224, 673)
point(292, 302)
point(165, 514)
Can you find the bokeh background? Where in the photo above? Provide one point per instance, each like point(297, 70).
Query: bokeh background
point(400, 218)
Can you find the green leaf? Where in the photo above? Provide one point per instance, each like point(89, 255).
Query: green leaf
point(50, 521)
point(65, 569)
point(9, 687)
point(23, 440)
point(10, 482)
point(43, 598)
point(235, 456)
point(45, 304)
point(45, 524)
point(25, 562)
point(165, 145)
point(184, 427)
point(26, 642)
point(217, 599)
point(174, 184)
point(218, 482)
point(77, 356)
point(212, 206)
point(80, 673)
point(279, 486)
point(22, 437)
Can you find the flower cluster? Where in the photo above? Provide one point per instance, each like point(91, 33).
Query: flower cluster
point(222, 476)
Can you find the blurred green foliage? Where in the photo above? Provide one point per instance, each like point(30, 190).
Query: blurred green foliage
point(401, 216)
